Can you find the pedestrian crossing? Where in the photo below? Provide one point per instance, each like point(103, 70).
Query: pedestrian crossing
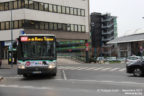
point(111, 69)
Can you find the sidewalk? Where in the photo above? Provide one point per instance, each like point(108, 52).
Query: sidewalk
point(5, 64)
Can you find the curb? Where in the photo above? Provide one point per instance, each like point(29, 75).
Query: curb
point(1, 78)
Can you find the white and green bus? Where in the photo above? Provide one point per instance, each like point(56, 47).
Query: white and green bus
point(36, 54)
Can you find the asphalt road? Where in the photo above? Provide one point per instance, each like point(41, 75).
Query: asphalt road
point(74, 80)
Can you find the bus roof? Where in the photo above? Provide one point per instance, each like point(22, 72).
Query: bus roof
point(37, 35)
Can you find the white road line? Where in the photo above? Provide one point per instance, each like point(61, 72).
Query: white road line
point(89, 68)
point(25, 87)
point(13, 77)
point(98, 68)
point(64, 75)
point(122, 69)
point(105, 69)
point(114, 69)
point(109, 82)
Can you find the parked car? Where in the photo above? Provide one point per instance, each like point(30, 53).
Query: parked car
point(100, 59)
point(136, 68)
point(111, 59)
point(132, 59)
point(122, 59)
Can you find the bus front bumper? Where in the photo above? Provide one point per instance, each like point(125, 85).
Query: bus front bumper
point(36, 70)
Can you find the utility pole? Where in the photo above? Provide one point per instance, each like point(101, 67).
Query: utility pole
point(11, 39)
point(87, 48)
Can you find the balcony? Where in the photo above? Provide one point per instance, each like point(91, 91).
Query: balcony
point(107, 26)
point(108, 32)
point(107, 19)
point(108, 38)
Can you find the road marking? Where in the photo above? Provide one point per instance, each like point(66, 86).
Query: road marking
point(109, 82)
point(114, 69)
point(64, 75)
point(92, 68)
point(25, 87)
point(98, 68)
point(82, 68)
point(105, 69)
point(122, 69)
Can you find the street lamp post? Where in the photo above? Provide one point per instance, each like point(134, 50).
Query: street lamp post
point(11, 40)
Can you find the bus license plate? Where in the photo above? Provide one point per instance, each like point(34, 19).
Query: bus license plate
point(37, 72)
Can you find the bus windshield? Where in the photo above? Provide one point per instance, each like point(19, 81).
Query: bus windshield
point(38, 50)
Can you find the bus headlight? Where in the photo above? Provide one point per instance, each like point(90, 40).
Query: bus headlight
point(52, 65)
point(21, 66)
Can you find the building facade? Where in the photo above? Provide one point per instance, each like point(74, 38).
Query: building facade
point(103, 29)
point(66, 19)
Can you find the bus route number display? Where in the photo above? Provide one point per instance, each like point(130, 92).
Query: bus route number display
point(29, 39)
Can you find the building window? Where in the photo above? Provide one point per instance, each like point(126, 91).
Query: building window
point(50, 7)
point(6, 6)
point(63, 9)
point(7, 25)
point(1, 6)
point(22, 3)
point(31, 4)
point(19, 3)
point(26, 3)
point(2, 25)
point(36, 5)
point(59, 9)
point(46, 7)
point(75, 11)
point(64, 27)
point(21, 22)
point(59, 26)
point(51, 26)
point(79, 12)
point(42, 25)
point(11, 5)
point(79, 28)
point(55, 8)
point(15, 4)
point(83, 28)
point(55, 26)
point(71, 11)
point(37, 25)
point(68, 27)
point(16, 24)
point(82, 12)
point(72, 27)
point(46, 26)
point(41, 6)
point(67, 10)
point(76, 28)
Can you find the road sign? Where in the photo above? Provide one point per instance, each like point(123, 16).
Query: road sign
point(86, 44)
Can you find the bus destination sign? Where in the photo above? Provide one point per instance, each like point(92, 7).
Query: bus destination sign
point(29, 39)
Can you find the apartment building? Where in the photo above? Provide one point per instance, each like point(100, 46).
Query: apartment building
point(66, 19)
point(103, 29)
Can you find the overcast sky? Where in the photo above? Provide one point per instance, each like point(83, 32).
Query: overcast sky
point(129, 12)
